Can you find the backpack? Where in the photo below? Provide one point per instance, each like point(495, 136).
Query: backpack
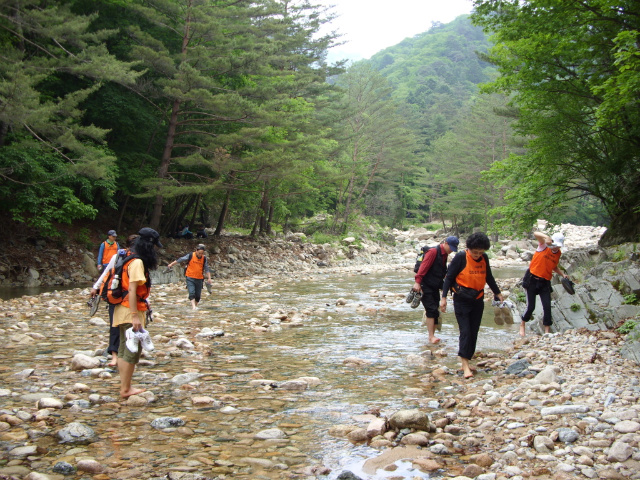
point(111, 290)
point(420, 257)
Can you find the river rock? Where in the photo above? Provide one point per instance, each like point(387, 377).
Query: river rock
point(517, 367)
point(64, 468)
point(21, 452)
point(269, 434)
point(90, 466)
point(619, 452)
point(167, 422)
point(49, 403)
point(84, 362)
point(627, 426)
point(416, 419)
point(567, 435)
point(76, 433)
point(185, 378)
point(564, 409)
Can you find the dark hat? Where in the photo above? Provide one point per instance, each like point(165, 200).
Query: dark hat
point(150, 235)
point(112, 232)
point(453, 243)
point(201, 247)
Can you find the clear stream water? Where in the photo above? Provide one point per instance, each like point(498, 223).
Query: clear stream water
point(376, 325)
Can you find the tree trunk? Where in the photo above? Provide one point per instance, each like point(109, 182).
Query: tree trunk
point(171, 133)
point(223, 214)
point(195, 210)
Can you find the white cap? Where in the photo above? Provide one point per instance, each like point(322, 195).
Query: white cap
point(557, 240)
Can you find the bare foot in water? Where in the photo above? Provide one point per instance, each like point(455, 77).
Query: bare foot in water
point(114, 360)
point(133, 391)
point(434, 339)
point(522, 325)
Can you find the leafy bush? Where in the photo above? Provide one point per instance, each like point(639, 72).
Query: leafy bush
point(627, 326)
point(618, 256)
point(575, 307)
point(83, 237)
point(630, 299)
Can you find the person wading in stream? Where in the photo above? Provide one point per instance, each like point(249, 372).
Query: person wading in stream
point(197, 266)
point(429, 281)
point(544, 262)
point(131, 312)
point(468, 273)
point(114, 332)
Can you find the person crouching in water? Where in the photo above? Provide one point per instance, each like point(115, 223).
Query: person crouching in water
point(131, 313)
point(197, 266)
point(468, 273)
point(544, 262)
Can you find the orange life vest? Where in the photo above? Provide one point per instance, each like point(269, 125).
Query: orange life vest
point(474, 274)
point(543, 263)
point(109, 251)
point(195, 268)
point(142, 291)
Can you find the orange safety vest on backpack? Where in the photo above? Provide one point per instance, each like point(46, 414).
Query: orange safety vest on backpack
point(473, 275)
point(195, 268)
point(142, 291)
point(543, 263)
point(109, 251)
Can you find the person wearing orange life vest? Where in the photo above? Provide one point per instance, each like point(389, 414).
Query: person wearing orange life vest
point(108, 249)
point(468, 273)
point(130, 313)
point(544, 262)
point(114, 332)
point(197, 267)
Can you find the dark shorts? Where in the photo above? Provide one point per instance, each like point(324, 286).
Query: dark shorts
point(431, 303)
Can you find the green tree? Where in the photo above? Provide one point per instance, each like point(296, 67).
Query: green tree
point(376, 144)
point(574, 71)
point(236, 78)
point(52, 164)
point(458, 161)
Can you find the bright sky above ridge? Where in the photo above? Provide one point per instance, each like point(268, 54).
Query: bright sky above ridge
point(369, 26)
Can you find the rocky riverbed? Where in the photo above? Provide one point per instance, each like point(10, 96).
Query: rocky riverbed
point(233, 390)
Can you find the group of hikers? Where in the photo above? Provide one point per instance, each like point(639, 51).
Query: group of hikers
point(466, 277)
point(125, 283)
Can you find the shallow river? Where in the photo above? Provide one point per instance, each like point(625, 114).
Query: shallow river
point(375, 325)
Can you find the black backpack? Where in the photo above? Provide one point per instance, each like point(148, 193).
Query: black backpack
point(420, 257)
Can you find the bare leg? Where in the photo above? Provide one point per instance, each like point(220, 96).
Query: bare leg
point(126, 373)
point(522, 325)
point(114, 359)
point(547, 329)
point(194, 304)
point(466, 369)
point(431, 327)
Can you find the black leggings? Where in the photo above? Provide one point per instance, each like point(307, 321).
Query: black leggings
point(542, 287)
point(469, 316)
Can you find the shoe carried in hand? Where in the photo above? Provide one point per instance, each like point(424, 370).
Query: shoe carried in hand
point(410, 296)
point(145, 340)
point(132, 340)
point(416, 299)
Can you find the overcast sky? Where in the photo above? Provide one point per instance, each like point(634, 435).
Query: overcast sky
point(373, 25)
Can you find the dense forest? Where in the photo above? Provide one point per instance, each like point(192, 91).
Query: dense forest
point(225, 114)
